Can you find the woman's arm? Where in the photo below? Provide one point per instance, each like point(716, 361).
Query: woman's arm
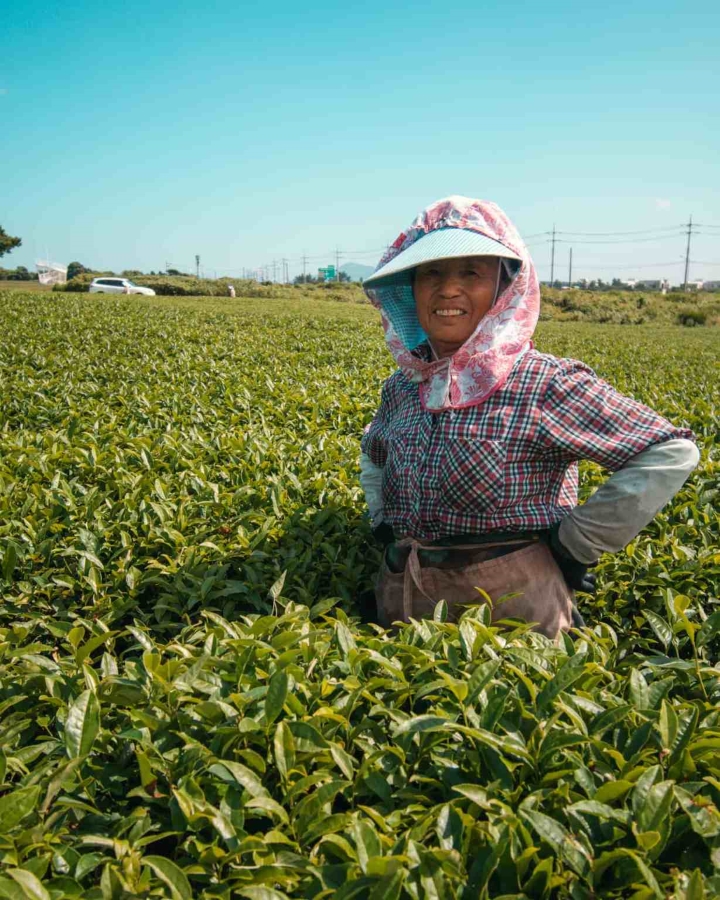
point(584, 417)
point(622, 506)
point(373, 454)
point(371, 482)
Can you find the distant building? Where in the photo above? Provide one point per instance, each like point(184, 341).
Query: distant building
point(711, 285)
point(50, 272)
point(650, 284)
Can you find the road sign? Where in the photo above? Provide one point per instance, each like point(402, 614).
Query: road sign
point(327, 274)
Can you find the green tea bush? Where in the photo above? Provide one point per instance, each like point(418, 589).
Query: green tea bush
point(690, 316)
point(189, 704)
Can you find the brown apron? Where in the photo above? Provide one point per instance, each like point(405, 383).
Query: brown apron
point(530, 572)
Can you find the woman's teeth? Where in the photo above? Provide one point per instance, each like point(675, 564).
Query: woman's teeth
point(449, 312)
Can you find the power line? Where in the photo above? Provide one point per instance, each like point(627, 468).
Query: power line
point(621, 233)
point(591, 265)
point(623, 240)
point(535, 241)
point(365, 252)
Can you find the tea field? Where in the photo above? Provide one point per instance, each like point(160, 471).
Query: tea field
point(191, 703)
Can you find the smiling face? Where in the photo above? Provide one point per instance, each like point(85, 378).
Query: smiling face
point(452, 296)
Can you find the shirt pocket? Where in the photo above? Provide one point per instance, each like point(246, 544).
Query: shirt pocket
point(472, 473)
point(400, 470)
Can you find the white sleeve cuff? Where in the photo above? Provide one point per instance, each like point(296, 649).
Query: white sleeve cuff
point(622, 506)
point(371, 481)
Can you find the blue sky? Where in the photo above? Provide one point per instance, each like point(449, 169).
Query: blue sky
point(137, 134)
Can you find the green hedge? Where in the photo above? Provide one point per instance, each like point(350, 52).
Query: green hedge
point(184, 286)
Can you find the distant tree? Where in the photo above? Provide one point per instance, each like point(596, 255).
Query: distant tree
point(8, 242)
point(19, 274)
point(76, 268)
point(345, 277)
point(305, 279)
point(131, 273)
point(178, 272)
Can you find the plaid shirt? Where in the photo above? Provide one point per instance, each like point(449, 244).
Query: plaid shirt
point(509, 463)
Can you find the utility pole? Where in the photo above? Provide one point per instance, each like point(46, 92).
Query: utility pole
point(552, 258)
point(687, 254)
point(304, 266)
point(570, 270)
point(337, 264)
point(197, 265)
point(274, 270)
point(286, 273)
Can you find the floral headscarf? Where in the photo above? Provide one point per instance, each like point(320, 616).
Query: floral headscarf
point(483, 363)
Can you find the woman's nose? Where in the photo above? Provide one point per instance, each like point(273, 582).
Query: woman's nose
point(449, 286)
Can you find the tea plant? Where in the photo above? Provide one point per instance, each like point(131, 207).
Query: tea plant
point(189, 704)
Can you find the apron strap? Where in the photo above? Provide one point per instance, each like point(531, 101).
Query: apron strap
point(413, 575)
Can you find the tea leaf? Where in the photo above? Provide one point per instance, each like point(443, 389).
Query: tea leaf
point(171, 874)
point(275, 698)
point(82, 724)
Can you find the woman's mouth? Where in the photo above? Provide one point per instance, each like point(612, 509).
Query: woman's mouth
point(449, 312)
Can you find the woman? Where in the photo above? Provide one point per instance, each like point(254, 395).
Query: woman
point(470, 465)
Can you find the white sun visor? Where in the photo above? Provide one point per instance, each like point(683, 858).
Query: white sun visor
point(445, 243)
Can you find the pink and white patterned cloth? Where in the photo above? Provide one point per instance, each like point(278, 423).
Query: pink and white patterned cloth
point(482, 365)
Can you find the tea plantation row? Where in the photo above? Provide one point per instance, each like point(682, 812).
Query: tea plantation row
point(190, 706)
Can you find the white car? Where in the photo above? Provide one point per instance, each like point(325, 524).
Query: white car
point(118, 286)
